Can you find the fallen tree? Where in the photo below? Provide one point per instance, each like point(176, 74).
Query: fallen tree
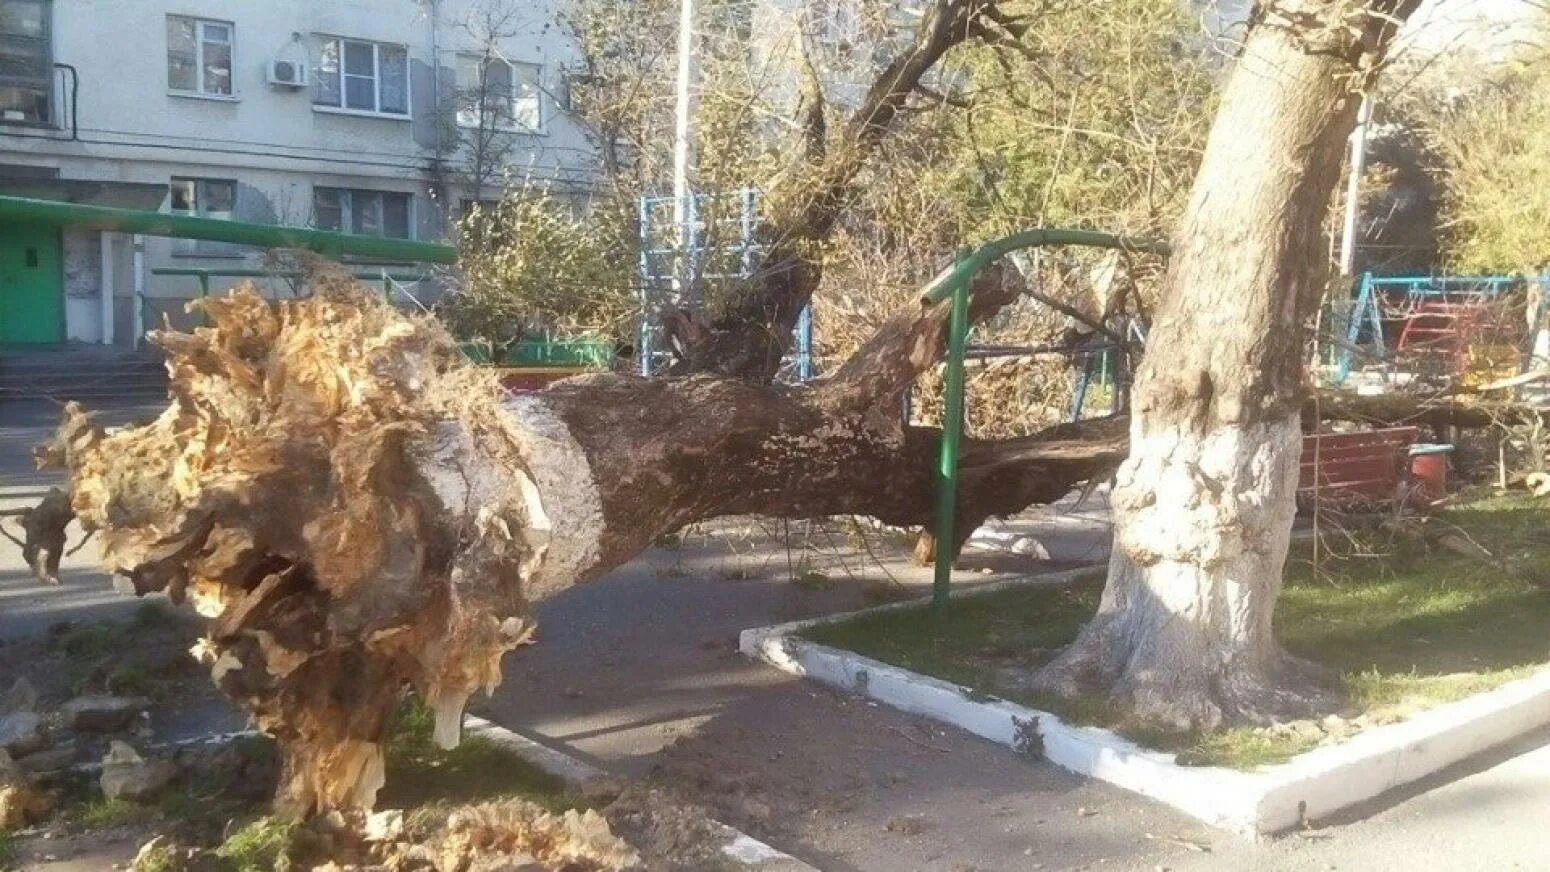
point(358, 512)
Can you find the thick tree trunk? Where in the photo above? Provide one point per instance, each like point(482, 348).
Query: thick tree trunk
point(358, 513)
point(1203, 506)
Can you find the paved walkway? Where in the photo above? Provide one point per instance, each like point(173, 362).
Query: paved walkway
point(637, 673)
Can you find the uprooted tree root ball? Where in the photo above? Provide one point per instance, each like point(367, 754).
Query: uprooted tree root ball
point(295, 493)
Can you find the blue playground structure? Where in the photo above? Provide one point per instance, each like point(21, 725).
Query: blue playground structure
point(721, 247)
point(1434, 316)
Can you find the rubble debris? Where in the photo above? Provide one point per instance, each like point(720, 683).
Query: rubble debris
point(44, 528)
point(515, 828)
point(127, 775)
point(21, 733)
point(60, 756)
point(21, 801)
point(665, 828)
point(600, 790)
point(158, 853)
point(22, 697)
point(102, 713)
point(384, 826)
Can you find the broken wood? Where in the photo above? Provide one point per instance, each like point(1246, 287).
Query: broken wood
point(43, 534)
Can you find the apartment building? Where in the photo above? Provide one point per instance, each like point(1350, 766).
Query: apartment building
point(377, 117)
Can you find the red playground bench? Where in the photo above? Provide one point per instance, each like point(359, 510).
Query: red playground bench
point(1346, 469)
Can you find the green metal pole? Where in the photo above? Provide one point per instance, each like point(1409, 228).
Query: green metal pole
point(952, 435)
point(204, 294)
point(954, 282)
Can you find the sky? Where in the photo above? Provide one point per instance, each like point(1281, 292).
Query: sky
point(1490, 27)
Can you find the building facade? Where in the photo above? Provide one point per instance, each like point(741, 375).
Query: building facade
point(378, 117)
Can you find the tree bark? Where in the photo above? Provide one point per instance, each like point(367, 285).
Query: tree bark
point(1203, 506)
point(359, 513)
point(748, 338)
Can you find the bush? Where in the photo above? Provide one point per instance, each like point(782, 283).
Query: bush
point(533, 264)
point(1485, 124)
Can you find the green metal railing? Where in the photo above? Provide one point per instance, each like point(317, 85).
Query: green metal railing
point(325, 242)
point(953, 284)
point(205, 275)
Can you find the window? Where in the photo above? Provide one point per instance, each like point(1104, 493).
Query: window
point(368, 213)
point(363, 77)
point(487, 205)
point(204, 198)
point(26, 65)
point(498, 93)
point(199, 56)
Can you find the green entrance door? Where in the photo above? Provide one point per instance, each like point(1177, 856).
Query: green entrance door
point(32, 300)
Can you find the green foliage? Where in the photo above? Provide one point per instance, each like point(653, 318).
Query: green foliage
point(1099, 123)
point(257, 846)
point(420, 773)
point(100, 812)
point(534, 264)
point(129, 679)
point(91, 640)
point(150, 616)
point(161, 858)
point(1407, 626)
point(1485, 125)
point(7, 849)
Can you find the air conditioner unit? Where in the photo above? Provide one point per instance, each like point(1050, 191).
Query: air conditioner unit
point(288, 74)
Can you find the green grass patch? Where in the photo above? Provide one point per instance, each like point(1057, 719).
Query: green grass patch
point(257, 846)
point(419, 774)
point(7, 849)
point(99, 812)
point(1407, 621)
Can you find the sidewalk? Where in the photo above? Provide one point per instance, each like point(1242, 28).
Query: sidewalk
point(636, 672)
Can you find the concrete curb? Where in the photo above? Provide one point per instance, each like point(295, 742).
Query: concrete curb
point(738, 849)
point(1272, 799)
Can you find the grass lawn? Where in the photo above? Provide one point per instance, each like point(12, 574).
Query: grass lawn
point(1408, 624)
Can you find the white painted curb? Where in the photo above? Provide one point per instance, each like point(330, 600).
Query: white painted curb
point(1264, 801)
point(738, 849)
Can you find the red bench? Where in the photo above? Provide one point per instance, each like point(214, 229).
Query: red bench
point(528, 379)
point(1345, 469)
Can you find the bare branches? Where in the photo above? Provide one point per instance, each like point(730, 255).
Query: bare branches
point(747, 340)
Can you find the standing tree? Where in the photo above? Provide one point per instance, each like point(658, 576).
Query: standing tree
point(1203, 507)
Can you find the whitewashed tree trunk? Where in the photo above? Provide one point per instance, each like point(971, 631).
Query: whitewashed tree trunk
point(1203, 507)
